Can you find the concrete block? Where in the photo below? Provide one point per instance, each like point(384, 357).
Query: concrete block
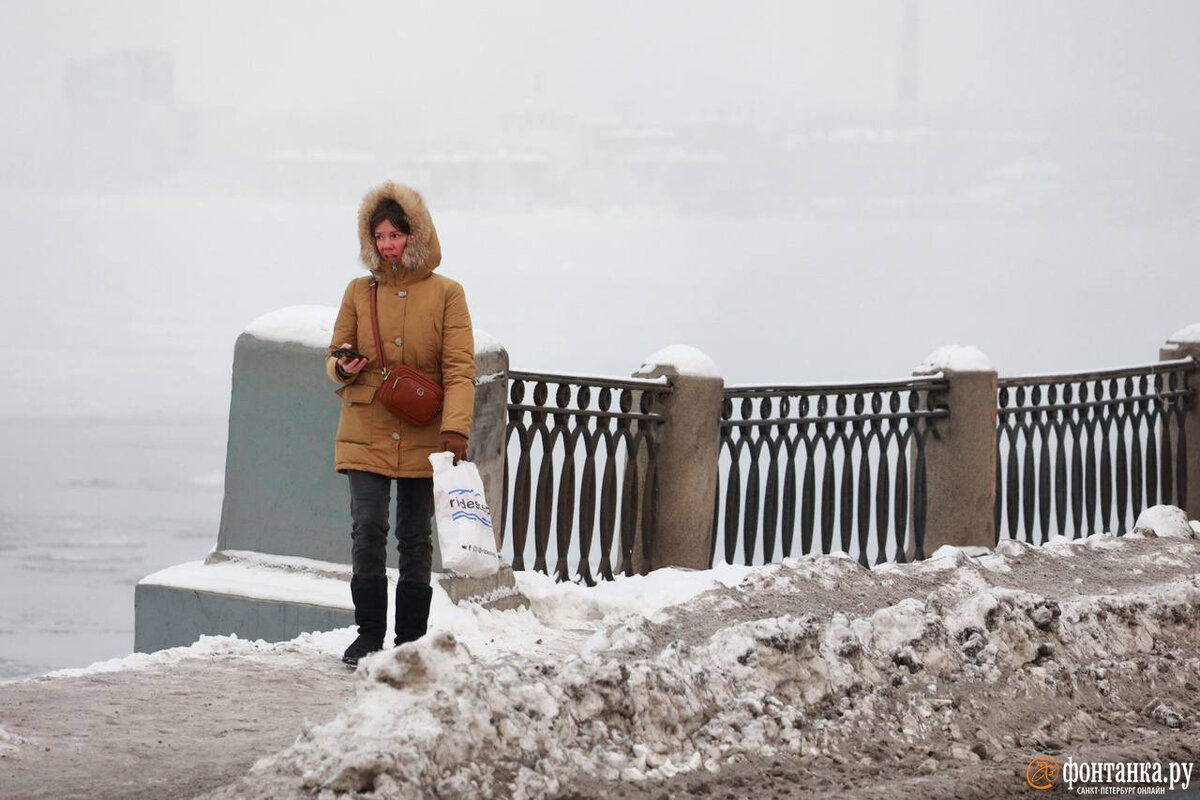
point(170, 616)
point(286, 510)
point(252, 595)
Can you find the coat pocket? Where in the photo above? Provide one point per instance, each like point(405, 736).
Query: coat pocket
point(357, 411)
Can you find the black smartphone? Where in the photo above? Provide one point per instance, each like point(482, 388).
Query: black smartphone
point(346, 352)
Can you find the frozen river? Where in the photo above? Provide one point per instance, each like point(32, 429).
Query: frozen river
point(88, 507)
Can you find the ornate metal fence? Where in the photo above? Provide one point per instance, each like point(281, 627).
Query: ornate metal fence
point(846, 459)
point(1086, 452)
point(581, 461)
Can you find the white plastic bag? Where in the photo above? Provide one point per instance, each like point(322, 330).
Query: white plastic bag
point(464, 521)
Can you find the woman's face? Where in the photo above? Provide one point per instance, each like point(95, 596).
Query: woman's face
point(390, 241)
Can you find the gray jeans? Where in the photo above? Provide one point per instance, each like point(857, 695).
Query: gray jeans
point(370, 502)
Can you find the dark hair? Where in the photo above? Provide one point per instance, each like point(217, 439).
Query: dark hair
point(391, 211)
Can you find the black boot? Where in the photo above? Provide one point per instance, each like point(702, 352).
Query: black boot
point(370, 612)
point(412, 611)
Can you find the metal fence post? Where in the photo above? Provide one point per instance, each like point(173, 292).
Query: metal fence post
point(687, 447)
point(960, 458)
point(1181, 344)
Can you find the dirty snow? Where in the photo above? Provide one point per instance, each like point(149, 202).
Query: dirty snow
point(815, 672)
point(754, 671)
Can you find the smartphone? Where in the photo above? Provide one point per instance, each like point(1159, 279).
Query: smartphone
point(346, 352)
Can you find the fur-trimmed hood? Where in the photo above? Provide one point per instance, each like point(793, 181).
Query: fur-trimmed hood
point(423, 252)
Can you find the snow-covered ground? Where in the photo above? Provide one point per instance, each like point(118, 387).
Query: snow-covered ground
point(813, 674)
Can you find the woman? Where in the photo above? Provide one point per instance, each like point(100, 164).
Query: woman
point(424, 323)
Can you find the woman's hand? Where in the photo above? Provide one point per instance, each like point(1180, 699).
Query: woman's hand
point(350, 366)
point(454, 443)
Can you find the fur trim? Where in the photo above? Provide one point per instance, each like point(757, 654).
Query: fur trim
point(423, 252)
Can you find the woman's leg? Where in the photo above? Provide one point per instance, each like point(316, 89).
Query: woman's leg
point(370, 497)
point(414, 530)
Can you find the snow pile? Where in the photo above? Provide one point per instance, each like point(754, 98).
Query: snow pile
point(1165, 521)
point(956, 358)
point(766, 666)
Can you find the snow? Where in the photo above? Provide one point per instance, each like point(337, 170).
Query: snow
point(266, 578)
point(554, 607)
point(686, 360)
point(311, 326)
point(1165, 521)
point(951, 551)
point(956, 358)
point(565, 604)
point(1188, 335)
point(486, 343)
point(206, 646)
point(584, 377)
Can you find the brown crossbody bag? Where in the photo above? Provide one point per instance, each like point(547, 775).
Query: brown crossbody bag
point(406, 392)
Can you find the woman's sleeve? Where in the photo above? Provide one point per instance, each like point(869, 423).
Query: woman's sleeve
point(458, 364)
point(345, 329)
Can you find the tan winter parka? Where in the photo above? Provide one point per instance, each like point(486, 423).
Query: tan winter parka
point(424, 323)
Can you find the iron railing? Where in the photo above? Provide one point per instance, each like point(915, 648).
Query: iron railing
point(841, 458)
point(1084, 453)
point(585, 467)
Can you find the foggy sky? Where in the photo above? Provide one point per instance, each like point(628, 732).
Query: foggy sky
point(672, 57)
point(1061, 232)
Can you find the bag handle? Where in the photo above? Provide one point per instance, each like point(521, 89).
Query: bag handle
point(375, 327)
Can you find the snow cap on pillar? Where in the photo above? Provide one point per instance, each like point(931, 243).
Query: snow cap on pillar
point(310, 326)
point(955, 358)
point(1188, 335)
point(1181, 344)
point(682, 359)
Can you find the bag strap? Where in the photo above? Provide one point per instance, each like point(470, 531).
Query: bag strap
point(375, 327)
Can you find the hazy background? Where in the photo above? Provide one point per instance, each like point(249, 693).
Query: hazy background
point(805, 191)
